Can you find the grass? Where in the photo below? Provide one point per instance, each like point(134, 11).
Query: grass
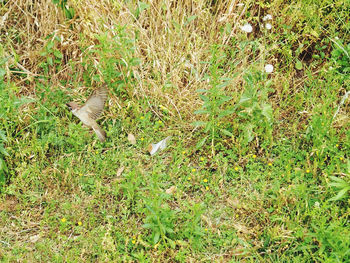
point(257, 167)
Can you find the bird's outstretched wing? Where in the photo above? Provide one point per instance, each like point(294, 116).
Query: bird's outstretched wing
point(95, 103)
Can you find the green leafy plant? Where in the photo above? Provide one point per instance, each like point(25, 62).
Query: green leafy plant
point(341, 184)
point(117, 60)
point(214, 99)
point(255, 113)
point(53, 57)
point(160, 220)
point(141, 6)
point(341, 57)
point(68, 10)
point(191, 229)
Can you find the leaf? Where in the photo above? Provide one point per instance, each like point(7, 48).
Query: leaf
point(340, 182)
point(203, 97)
point(49, 61)
point(199, 123)
point(171, 190)
point(3, 166)
point(201, 142)
point(131, 139)
point(142, 6)
point(341, 194)
point(298, 65)
point(49, 45)
point(156, 237)
point(2, 72)
point(201, 90)
point(244, 98)
point(338, 185)
point(267, 111)
point(169, 230)
point(248, 133)
point(2, 179)
point(3, 151)
point(190, 19)
point(147, 225)
point(3, 136)
point(225, 98)
point(222, 85)
point(172, 243)
point(226, 132)
point(58, 54)
point(3, 60)
point(154, 148)
point(23, 100)
point(120, 171)
point(225, 113)
point(201, 112)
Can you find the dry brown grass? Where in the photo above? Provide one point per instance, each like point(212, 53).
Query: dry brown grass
point(170, 48)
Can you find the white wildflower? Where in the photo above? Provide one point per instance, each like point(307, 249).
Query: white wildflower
point(269, 68)
point(267, 17)
point(247, 28)
point(268, 26)
point(317, 204)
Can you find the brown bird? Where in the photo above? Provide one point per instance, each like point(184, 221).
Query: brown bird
point(91, 110)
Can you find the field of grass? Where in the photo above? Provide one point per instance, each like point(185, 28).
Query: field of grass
point(257, 168)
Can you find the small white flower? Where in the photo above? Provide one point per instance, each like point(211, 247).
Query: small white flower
point(268, 26)
point(267, 17)
point(247, 28)
point(317, 204)
point(336, 38)
point(269, 68)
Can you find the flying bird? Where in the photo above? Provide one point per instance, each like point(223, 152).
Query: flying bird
point(91, 110)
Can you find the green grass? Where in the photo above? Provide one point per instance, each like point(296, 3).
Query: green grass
point(257, 168)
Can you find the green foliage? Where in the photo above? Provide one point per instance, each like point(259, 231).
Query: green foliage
point(191, 228)
point(159, 218)
point(141, 6)
point(342, 185)
point(214, 99)
point(53, 57)
point(117, 61)
point(255, 114)
point(304, 33)
point(63, 4)
point(341, 57)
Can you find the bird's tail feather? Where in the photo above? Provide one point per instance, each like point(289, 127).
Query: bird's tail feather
point(101, 134)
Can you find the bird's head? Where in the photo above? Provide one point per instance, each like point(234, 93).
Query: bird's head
point(72, 105)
